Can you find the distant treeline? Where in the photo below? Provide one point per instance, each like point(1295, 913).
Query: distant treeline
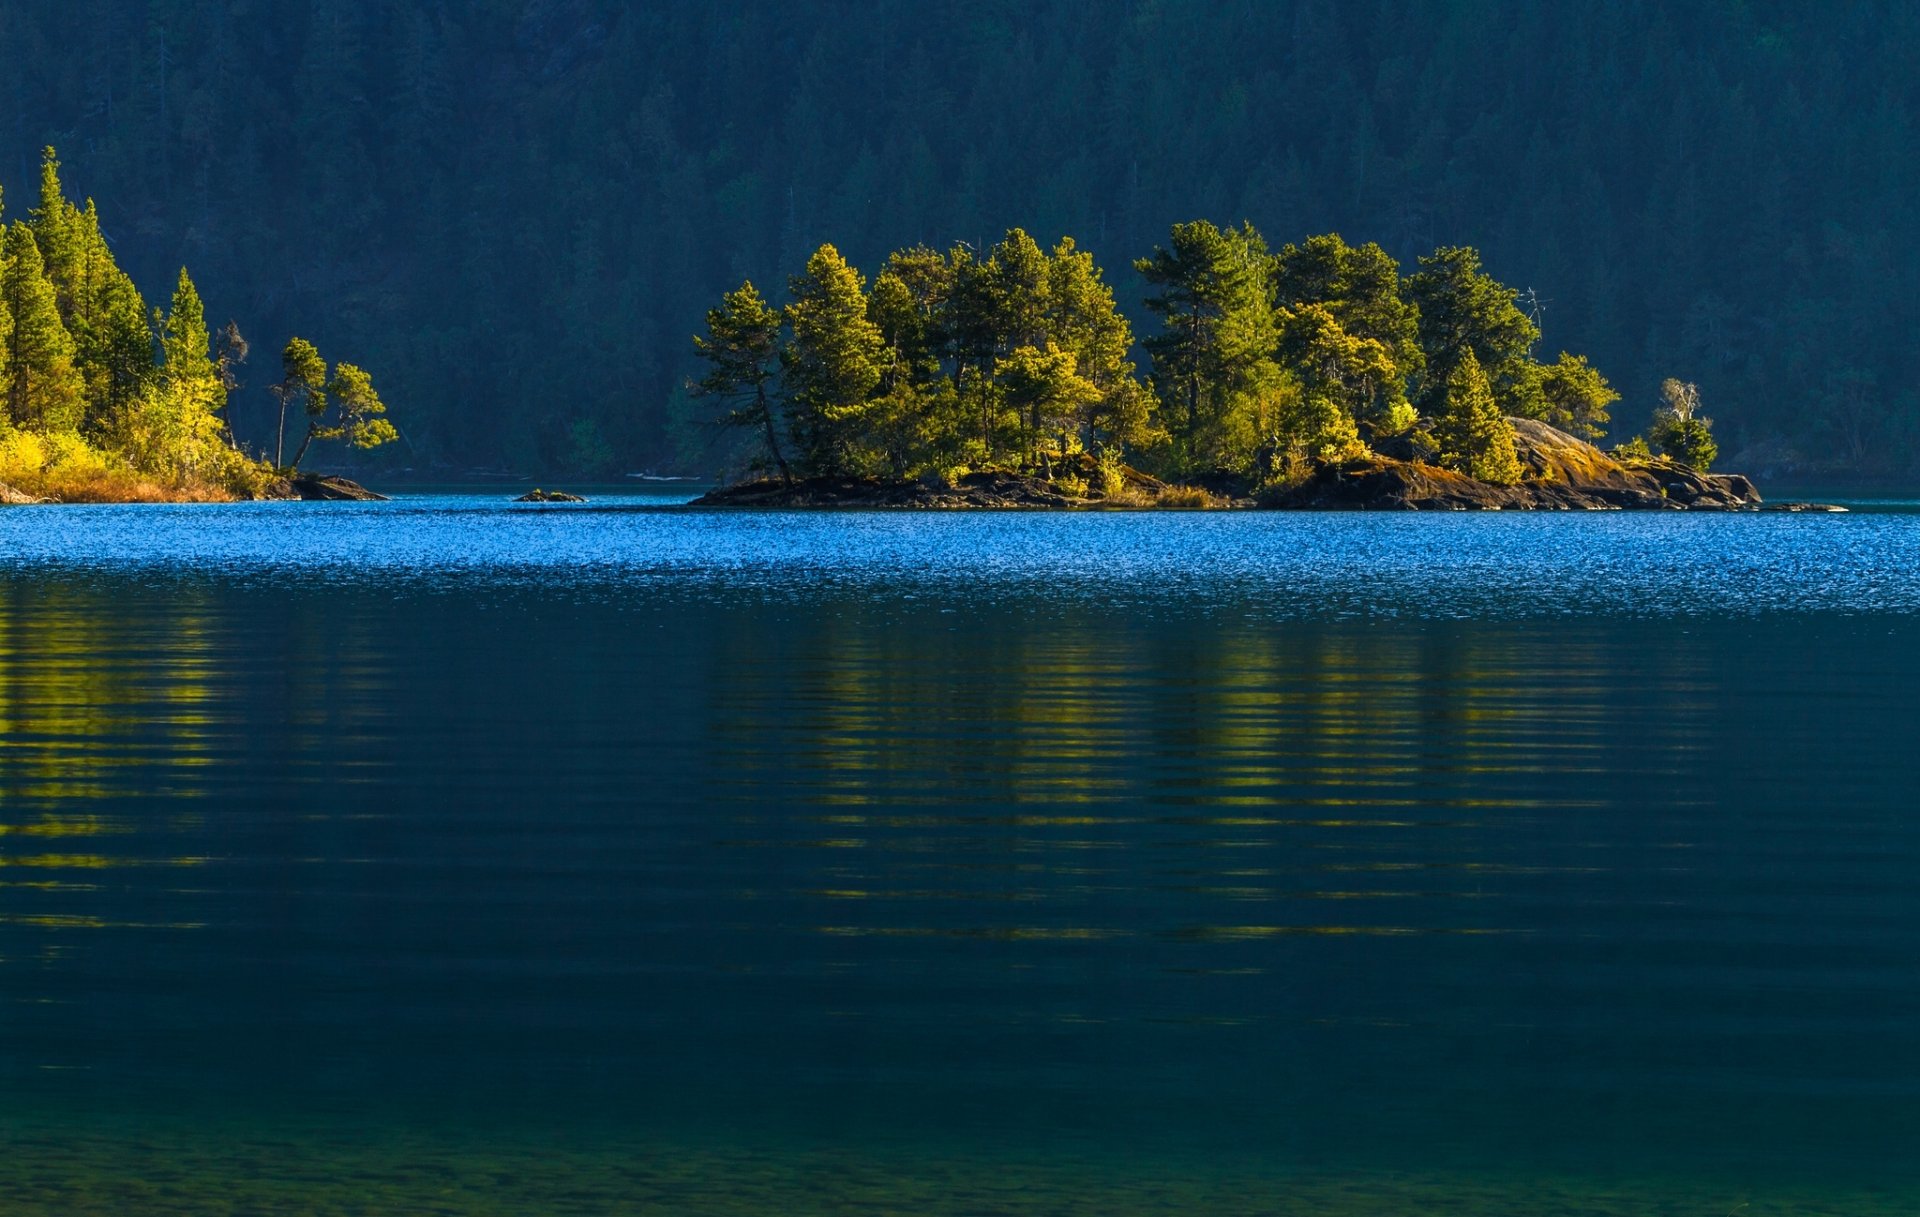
point(1265, 363)
point(100, 398)
point(514, 209)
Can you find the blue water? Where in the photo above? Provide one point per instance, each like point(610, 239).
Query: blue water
point(989, 859)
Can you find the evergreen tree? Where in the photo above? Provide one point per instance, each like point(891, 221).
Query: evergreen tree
point(1044, 386)
point(1463, 310)
point(741, 346)
point(1475, 438)
point(1361, 287)
point(832, 363)
point(43, 390)
point(303, 383)
point(1084, 321)
point(190, 392)
point(58, 230)
point(1212, 361)
point(1337, 378)
point(1576, 397)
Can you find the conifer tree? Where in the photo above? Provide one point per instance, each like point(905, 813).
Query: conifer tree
point(832, 363)
point(57, 229)
point(192, 394)
point(1464, 310)
point(1576, 397)
point(303, 383)
point(1358, 375)
point(1044, 386)
point(1361, 287)
point(741, 346)
point(43, 390)
point(1475, 438)
point(1214, 353)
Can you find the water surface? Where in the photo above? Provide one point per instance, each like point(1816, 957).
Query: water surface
point(448, 856)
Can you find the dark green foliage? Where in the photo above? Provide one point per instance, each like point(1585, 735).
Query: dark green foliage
point(833, 363)
point(1213, 358)
point(742, 351)
point(43, 389)
point(1465, 311)
point(514, 210)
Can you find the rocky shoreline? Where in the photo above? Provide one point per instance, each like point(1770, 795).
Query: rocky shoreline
point(1560, 473)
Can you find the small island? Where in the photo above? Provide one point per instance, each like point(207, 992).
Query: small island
point(1317, 376)
point(105, 401)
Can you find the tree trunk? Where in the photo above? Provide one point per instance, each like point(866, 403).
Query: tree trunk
point(773, 438)
point(308, 439)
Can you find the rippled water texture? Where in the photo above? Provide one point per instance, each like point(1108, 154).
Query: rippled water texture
point(442, 856)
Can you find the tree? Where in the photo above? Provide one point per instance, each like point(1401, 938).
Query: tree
point(1475, 438)
point(832, 363)
point(192, 394)
point(43, 389)
point(1083, 319)
point(57, 229)
point(1576, 397)
point(1356, 377)
point(1679, 431)
point(361, 419)
point(303, 382)
point(1044, 386)
point(1213, 356)
point(741, 347)
point(1361, 287)
point(1463, 310)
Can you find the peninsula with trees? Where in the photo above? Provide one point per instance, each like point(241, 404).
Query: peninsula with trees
point(1315, 375)
point(103, 400)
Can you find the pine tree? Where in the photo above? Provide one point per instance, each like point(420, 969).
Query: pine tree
point(1464, 310)
point(1576, 397)
point(43, 390)
point(832, 363)
point(190, 394)
point(303, 383)
point(57, 229)
point(1215, 350)
point(741, 347)
point(1475, 438)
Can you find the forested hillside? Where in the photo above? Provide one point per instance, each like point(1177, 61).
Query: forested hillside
point(516, 212)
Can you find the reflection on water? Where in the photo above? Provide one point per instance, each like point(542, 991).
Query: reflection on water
point(1057, 882)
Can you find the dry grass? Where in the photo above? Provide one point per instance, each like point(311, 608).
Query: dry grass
point(116, 486)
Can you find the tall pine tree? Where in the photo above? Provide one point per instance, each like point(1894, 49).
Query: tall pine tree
point(43, 389)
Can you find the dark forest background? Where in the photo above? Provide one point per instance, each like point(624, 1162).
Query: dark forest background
point(515, 212)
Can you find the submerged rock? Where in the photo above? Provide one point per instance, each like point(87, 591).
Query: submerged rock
point(549, 496)
point(1558, 472)
point(314, 488)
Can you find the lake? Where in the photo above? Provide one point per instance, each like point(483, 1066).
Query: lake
point(448, 856)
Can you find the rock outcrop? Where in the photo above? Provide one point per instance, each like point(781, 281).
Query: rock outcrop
point(549, 496)
point(1559, 472)
point(9, 497)
point(314, 488)
point(987, 488)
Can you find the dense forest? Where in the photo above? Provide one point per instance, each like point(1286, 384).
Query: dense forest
point(518, 210)
point(1266, 367)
